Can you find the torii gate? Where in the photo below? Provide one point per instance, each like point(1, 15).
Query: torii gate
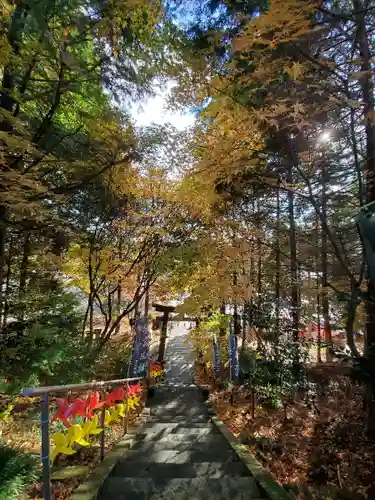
point(166, 310)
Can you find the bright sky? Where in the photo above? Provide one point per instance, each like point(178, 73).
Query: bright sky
point(154, 110)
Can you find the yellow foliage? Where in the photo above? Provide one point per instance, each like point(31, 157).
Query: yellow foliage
point(5, 415)
point(280, 24)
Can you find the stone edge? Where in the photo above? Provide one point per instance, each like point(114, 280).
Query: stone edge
point(263, 478)
point(89, 489)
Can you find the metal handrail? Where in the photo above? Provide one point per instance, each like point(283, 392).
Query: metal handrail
point(38, 391)
point(44, 418)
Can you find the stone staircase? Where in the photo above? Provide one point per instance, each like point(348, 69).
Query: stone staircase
point(180, 455)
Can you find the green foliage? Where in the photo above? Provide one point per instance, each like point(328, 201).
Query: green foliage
point(273, 374)
point(47, 345)
point(17, 471)
point(200, 338)
point(259, 315)
point(215, 324)
point(113, 360)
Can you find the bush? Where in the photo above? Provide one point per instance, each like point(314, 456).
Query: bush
point(17, 471)
point(113, 360)
point(200, 338)
point(277, 373)
point(46, 346)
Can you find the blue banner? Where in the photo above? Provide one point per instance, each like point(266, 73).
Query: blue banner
point(233, 355)
point(135, 352)
point(140, 351)
point(144, 347)
point(215, 355)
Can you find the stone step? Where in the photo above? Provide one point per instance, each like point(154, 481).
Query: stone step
point(179, 388)
point(177, 403)
point(205, 445)
point(176, 427)
point(178, 408)
point(160, 471)
point(158, 412)
point(170, 384)
point(154, 433)
point(239, 488)
point(181, 454)
point(174, 398)
point(179, 419)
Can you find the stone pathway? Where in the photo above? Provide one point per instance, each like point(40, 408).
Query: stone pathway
point(180, 455)
point(179, 369)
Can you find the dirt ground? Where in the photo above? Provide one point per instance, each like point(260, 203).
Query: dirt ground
point(308, 449)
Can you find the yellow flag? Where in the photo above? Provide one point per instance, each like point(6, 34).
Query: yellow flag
point(75, 435)
point(62, 445)
point(91, 427)
point(121, 409)
point(115, 417)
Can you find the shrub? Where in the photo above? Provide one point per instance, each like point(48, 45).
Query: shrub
point(17, 471)
point(113, 360)
point(200, 338)
point(274, 373)
point(46, 346)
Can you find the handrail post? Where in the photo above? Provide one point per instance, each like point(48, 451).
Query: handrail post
point(126, 421)
point(102, 435)
point(44, 420)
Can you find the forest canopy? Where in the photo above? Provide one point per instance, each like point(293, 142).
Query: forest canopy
point(253, 207)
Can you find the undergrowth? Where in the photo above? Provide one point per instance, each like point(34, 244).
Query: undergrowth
point(17, 471)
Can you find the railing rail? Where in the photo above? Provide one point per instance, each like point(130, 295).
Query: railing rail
point(44, 392)
point(38, 391)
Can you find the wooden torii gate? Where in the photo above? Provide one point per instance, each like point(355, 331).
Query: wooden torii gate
point(166, 310)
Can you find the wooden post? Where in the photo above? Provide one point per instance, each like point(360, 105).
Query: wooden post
point(166, 310)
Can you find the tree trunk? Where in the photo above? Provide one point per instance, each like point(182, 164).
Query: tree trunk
point(147, 304)
point(259, 263)
point(293, 259)
point(2, 257)
point(91, 319)
point(278, 262)
point(324, 267)
point(23, 273)
point(293, 274)
point(244, 324)
point(7, 283)
point(259, 288)
point(351, 309)
point(7, 102)
point(119, 289)
point(318, 291)
point(236, 317)
point(118, 305)
point(236, 321)
point(367, 89)
point(319, 339)
point(138, 300)
point(222, 311)
point(250, 304)
point(14, 40)
point(24, 263)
